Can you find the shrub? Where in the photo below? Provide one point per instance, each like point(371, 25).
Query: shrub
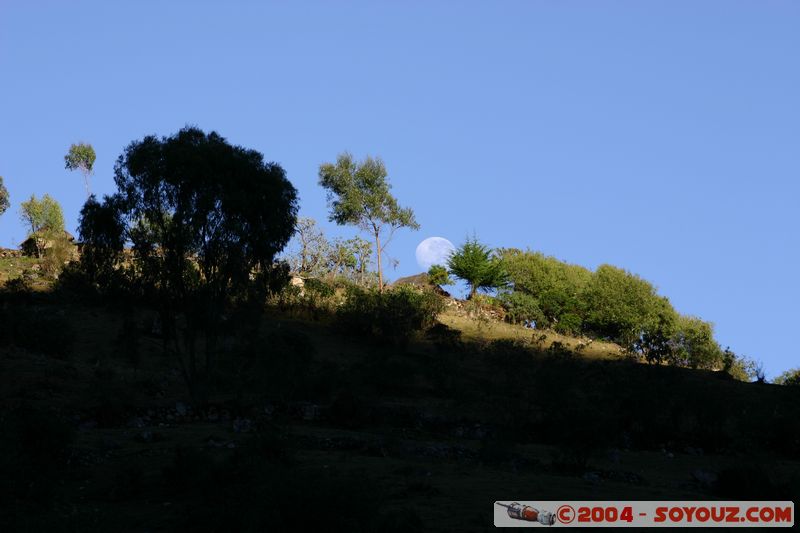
point(438, 275)
point(319, 288)
point(393, 315)
point(556, 285)
point(790, 377)
point(569, 324)
point(522, 308)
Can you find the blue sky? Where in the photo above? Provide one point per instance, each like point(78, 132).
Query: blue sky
point(660, 136)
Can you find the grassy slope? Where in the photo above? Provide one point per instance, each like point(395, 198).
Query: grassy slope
point(421, 449)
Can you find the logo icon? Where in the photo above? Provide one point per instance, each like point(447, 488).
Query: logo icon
point(527, 513)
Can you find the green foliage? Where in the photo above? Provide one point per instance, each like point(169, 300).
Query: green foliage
point(569, 324)
point(476, 264)
point(656, 337)
point(359, 194)
point(393, 315)
point(619, 304)
point(693, 344)
point(438, 275)
point(206, 220)
point(557, 286)
point(81, 157)
point(742, 368)
point(522, 308)
point(4, 197)
point(58, 252)
point(610, 303)
point(789, 377)
point(44, 220)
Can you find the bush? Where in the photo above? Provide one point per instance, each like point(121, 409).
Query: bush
point(790, 377)
point(569, 324)
point(522, 308)
point(438, 275)
point(392, 316)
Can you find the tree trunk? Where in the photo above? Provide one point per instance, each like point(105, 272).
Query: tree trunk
point(380, 268)
point(86, 184)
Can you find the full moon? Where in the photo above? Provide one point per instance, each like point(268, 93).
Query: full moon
point(434, 251)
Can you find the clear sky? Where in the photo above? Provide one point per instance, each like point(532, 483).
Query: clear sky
point(660, 136)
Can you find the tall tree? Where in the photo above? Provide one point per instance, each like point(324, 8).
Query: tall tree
point(476, 264)
point(44, 219)
point(359, 193)
point(4, 198)
point(81, 157)
point(206, 220)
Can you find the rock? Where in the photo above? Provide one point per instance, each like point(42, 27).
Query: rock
point(181, 409)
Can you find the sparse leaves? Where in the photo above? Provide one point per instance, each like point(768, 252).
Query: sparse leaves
point(359, 194)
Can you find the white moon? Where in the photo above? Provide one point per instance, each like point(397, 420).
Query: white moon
point(434, 251)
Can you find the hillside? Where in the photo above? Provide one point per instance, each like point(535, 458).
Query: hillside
point(97, 436)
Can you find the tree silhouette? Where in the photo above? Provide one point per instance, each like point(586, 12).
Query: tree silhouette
point(205, 220)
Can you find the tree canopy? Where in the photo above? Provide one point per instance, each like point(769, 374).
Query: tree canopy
point(44, 220)
point(359, 194)
point(205, 220)
point(5, 202)
point(81, 157)
point(476, 264)
point(438, 275)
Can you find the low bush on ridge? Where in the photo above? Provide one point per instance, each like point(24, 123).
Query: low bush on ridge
point(392, 316)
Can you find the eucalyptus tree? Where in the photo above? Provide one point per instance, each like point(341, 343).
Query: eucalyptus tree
point(359, 194)
point(81, 157)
